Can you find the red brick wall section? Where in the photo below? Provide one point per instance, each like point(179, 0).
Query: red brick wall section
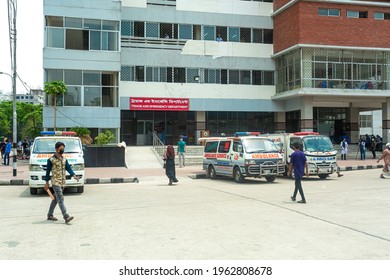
point(286, 29)
point(280, 3)
point(327, 30)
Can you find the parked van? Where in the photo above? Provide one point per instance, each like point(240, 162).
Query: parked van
point(318, 149)
point(44, 147)
point(245, 155)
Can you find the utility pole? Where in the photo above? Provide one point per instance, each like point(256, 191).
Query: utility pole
point(12, 7)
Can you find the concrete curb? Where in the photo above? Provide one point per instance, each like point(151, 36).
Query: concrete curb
point(88, 181)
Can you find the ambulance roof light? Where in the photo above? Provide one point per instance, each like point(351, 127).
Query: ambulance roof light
point(303, 133)
point(58, 133)
point(245, 133)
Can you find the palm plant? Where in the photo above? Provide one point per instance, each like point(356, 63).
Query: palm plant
point(55, 88)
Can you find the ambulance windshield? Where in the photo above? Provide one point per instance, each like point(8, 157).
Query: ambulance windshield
point(259, 145)
point(47, 145)
point(318, 144)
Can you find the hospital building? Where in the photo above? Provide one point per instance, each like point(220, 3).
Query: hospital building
point(207, 67)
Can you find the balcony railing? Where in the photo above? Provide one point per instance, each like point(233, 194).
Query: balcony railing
point(152, 43)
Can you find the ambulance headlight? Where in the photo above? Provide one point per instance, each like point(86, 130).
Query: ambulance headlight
point(35, 167)
point(78, 167)
point(250, 161)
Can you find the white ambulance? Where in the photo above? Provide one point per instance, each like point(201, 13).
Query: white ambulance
point(245, 155)
point(318, 149)
point(44, 147)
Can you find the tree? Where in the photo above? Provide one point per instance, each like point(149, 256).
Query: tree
point(84, 134)
point(55, 88)
point(104, 138)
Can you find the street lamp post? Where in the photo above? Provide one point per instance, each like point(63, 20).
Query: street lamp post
point(12, 32)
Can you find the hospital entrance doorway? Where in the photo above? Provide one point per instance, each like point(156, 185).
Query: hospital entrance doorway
point(144, 132)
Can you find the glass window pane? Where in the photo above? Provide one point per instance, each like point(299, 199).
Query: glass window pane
point(139, 74)
point(109, 41)
point(152, 30)
point(185, 31)
point(109, 79)
point(334, 12)
point(245, 77)
point(163, 74)
point(73, 22)
point(95, 40)
point(257, 35)
point(77, 39)
point(209, 33)
point(210, 76)
point(54, 21)
point(91, 78)
point(92, 96)
point(110, 25)
point(73, 77)
point(352, 14)
point(109, 97)
point(92, 24)
point(55, 38)
point(269, 78)
point(73, 97)
point(322, 12)
point(234, 77)
point(149, 74)
point(234, 34)
point(54, 75)
point(378, 15)
point(127, 28)
point(192, 75)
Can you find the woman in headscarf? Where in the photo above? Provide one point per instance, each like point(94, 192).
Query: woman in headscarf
point(169, 158)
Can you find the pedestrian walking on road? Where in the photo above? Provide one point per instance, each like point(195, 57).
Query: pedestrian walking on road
point(8, 148)
point(299, 163)
point(386, 158)
point(344, 149)
point(58, 165)
point(181, 149)
point(169, 158)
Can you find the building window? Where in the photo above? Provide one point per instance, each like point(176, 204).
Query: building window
point(365, 121)
point(329, 12)
point(356, 14)
point(82, 34)
point(382, 16)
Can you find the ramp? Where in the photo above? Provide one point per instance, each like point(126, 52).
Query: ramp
point(141, 157)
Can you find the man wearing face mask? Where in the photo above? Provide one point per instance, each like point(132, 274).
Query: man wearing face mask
point(58, 165)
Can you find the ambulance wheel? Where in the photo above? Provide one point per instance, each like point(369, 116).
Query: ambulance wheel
point(323, 176)
point(270, 179)
point(80, 189)
point(211, 172)
point(238, 178)
point(33, 191)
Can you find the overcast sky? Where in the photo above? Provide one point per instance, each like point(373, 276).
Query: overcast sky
point(29, 23)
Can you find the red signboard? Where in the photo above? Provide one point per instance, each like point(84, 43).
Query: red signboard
point(159, 104)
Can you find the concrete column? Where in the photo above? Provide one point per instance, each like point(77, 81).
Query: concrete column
point(386, 121)
point(200, 120)
point(353, 124)
point(307, 113)
point(279, 122)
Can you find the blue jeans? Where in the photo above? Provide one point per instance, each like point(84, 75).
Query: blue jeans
point(60, 200)
point(6, 158)
point(182, 160)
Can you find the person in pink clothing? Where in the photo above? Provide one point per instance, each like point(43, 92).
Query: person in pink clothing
point(386, 158)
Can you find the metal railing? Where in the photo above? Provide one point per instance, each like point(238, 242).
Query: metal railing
point(158, 147)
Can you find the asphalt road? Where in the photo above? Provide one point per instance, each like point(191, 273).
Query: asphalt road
point(345, 218)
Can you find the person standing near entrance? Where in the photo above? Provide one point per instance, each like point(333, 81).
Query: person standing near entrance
point(344, 149)
point(299, 163)
point(58, 165)
point(181, 149)
point(331, 134)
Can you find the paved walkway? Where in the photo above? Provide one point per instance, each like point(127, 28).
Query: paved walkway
point(142, 163)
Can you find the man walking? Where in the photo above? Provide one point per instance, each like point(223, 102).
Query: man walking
point(386, 158)
point(58, 165)
point(299, 163)
point(8, 148)
point(181, 149)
